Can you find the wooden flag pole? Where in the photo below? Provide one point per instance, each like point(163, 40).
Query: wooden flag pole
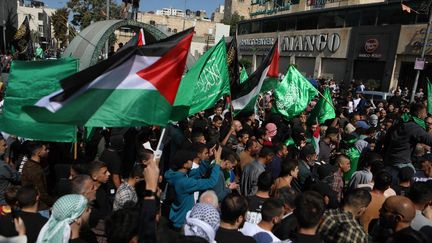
point(75, 151)
point(330, 103)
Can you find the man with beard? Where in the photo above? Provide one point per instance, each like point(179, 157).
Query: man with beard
point(395, 218)
point(33, 173)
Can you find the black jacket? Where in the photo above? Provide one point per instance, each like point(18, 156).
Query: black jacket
point(401, 140)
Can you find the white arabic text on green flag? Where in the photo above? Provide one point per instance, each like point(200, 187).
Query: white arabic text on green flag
point(293, 94)
point(211, 78)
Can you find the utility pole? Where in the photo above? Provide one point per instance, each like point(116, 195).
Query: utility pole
point(107, 18)
point(184, 17)
point(425, 44)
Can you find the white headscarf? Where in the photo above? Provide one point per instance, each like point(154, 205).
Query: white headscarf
point(64, 211)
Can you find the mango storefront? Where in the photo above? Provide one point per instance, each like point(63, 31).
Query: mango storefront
point(376, 55)
point(316, 53)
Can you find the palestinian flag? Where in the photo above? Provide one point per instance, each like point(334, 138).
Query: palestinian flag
point(134, 87)
point(141, 38)
point(245, 95)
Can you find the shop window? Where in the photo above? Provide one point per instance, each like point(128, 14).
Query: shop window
point(256, 27)
point(244, 28)
point(307, 22)
point(287, 24)
point(352, 18)
point(368, 17)
point(270, 26)
point(331, 20)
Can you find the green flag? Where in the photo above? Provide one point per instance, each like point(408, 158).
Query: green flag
point(323, 110)
point(208, 78)
point(293, 94)
point(243, 75)
point(429, 97)
point(28, 82)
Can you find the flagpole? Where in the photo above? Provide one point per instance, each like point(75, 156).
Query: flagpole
point(75, 151)
point(325, 98)
point(158, 151)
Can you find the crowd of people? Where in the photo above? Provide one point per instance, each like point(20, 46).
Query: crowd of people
point(363, 176)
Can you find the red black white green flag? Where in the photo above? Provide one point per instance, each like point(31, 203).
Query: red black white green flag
point(134, 87)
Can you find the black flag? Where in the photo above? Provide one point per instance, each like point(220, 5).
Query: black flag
point(23, 42)
point(233, 64)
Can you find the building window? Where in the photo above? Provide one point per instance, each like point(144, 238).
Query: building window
point(40, 28)
point(152, 22)
point(40, 16)
point(175, 30)
point(256, 27)
point(288, 23)
point(169, 29)
point(270, 26)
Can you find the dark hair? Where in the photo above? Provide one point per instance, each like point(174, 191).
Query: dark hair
point(280, 147)
point(405, 174)
point(10, 195)
point(287, 166)
point(309, 209)
point(137, 171)
point(80, 168)
point(340, 157)
point(32, 147)
point(228, 154)
point(217, 118)
point(287, 195)
point(265, 151)
point(232, 207)
point(382, 180)
point(122, 226)
point(420, 192)
point(144, 154)
point(95, 166)
point(416, 107)
point(77, 183)
point(270, 209)
point(195, 135)
point(242, 133)
point(199, 147)
point(307, 150)
point(26, 196)
point(250, 143)
point(181, 157)
point(358, 198)
point(265, 181)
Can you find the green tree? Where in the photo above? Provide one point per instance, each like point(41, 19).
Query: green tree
point(233, 21)
point(87, 11)
point(59, 21)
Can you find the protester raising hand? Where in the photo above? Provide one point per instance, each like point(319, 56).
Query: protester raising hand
point(151, 176)
point(217, 153)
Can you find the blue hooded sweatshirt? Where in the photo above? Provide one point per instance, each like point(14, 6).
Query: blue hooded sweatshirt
point(185, 185)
